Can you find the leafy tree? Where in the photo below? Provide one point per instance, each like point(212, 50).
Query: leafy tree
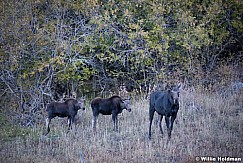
point(51, 48)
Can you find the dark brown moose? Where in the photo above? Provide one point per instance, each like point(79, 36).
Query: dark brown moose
point(109, 106)
point(165, 103)
point(68, 109)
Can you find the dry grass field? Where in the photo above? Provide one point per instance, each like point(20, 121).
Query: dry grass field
point(207, 125)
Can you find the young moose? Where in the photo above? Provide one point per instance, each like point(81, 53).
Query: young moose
point(68, 109)
point(110, 106)
point(165, 103)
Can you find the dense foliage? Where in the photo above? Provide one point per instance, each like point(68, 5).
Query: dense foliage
point(53, 47)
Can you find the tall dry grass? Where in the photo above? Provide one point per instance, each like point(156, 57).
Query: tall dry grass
point(206, 125)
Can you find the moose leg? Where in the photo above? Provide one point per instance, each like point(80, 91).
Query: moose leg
point(116, 123)
point(94, 122)
point(167, 120)
point(173, 117)
point(114, 118)
point(69, 124)
point(160, 126)
point(74, 122)
point(151, 116)
point(48, 121)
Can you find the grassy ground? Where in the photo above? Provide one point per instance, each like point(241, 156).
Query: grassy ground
point(206, 125)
